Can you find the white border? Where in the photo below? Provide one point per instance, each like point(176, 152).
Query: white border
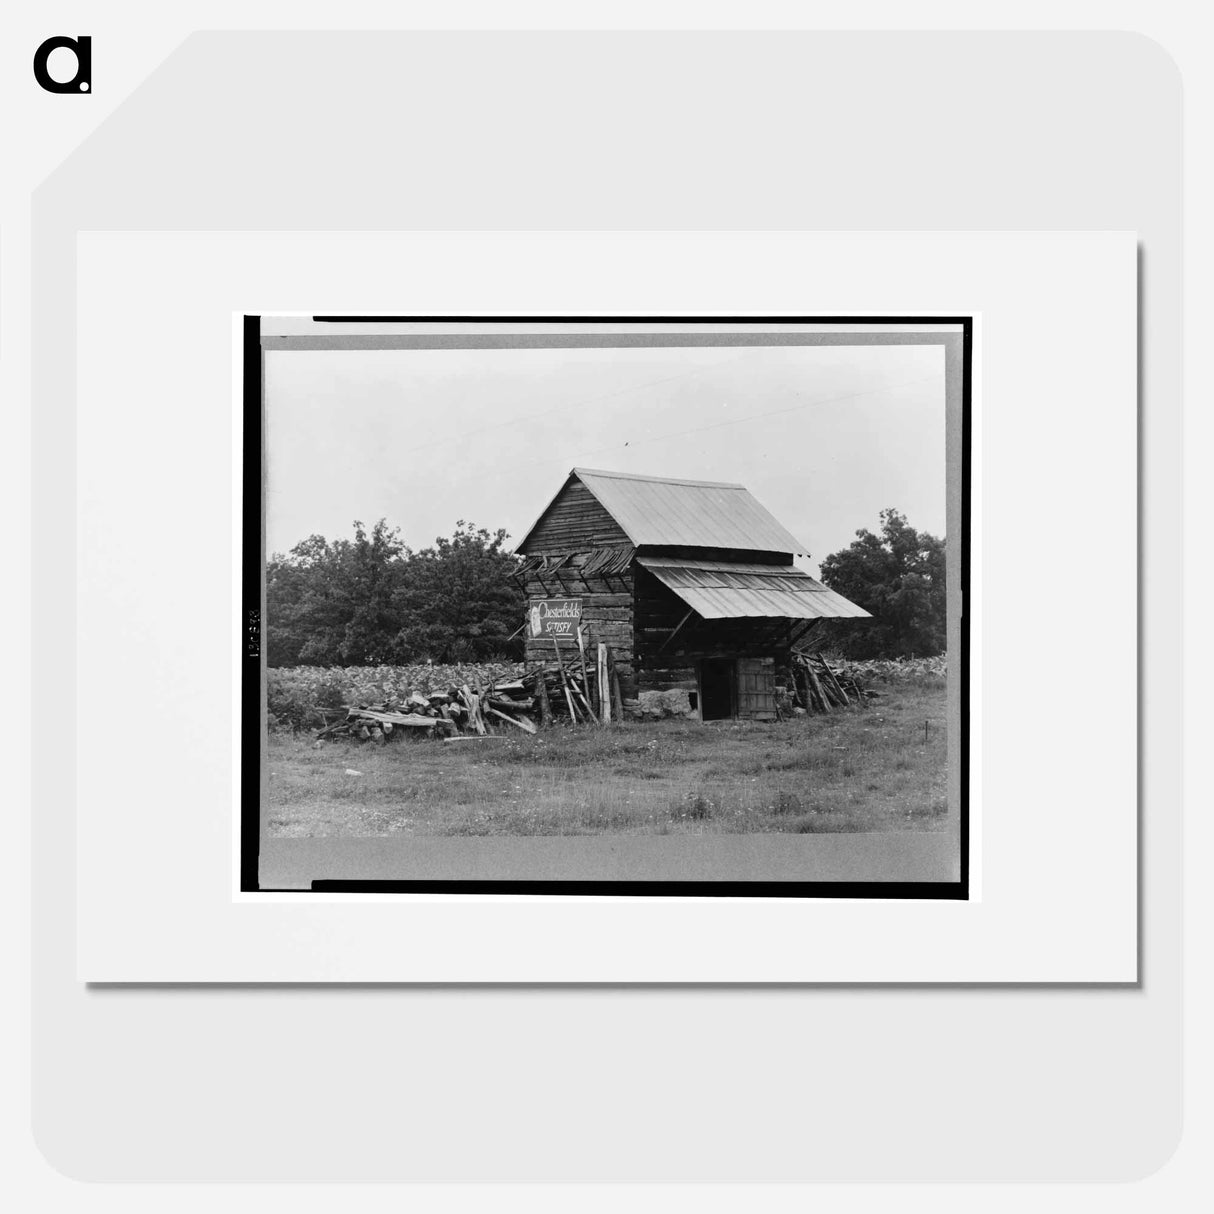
point(1033, 925)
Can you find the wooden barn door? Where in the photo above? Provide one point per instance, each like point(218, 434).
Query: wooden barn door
point(757, 689)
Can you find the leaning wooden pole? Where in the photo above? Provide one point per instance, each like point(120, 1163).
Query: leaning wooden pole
point(581, 696)
point(581, 648)
point(813, 682)
point(834, 682)
point(617, 701)
point(564, 682)
point(604, 682)
point(542, 688)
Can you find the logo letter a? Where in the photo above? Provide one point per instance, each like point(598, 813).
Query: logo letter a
point(82, 81)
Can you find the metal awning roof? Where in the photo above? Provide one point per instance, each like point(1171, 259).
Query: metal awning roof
point(724, 590)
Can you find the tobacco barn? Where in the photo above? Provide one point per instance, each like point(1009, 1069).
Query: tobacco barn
point(690, 583)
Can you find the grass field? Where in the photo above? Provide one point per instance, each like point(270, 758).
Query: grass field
point(870, 768)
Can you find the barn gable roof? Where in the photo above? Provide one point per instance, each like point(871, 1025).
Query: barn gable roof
point(664, 512)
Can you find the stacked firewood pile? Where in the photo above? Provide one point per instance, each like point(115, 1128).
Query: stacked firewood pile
point(582, 690)
point(583, 687)
point(820, 688)
point(460, 711)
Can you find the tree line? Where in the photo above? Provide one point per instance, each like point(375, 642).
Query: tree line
point(372, 600)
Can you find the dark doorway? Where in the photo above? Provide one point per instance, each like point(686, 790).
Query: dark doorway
point(716, 689)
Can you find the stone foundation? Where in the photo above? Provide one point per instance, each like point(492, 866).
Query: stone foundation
point(654, 705)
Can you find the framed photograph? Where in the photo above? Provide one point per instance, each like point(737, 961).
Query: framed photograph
point(742, 470)
point(606, 605)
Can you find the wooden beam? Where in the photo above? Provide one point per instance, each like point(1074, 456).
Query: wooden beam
point(677, 628)
point(798, 633)
point(581, 646)
point(816, 685)
point(834, 682)
point(603, 679)
point(614, 678)
point(525, 726)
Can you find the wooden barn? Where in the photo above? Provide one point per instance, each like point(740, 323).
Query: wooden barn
point(691, 584)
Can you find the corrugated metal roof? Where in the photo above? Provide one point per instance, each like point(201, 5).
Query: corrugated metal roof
point(721, 590)
point(702, 514)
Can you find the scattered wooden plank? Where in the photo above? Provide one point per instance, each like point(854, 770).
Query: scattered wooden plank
point(830, 691)
point(583, 697)
point(560, 665)
point(526, 726)
point(817, 687)
point(834, 682)
point(470, 702)
point(413, 719)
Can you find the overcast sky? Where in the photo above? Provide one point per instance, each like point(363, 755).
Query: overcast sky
point(823, 436)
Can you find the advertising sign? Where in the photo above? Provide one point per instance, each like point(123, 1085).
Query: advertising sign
point(555, 618)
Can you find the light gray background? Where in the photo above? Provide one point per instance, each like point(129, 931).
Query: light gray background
point(1055, 131)
point(1026, 926)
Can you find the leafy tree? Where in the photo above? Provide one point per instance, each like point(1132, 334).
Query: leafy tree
point(371, 600)
point(898, 576)
point(332, 604)
point(373, 575)
point(460, 603)
point(305, 610)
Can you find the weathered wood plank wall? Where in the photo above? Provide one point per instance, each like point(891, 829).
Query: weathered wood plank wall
point(606, 615)
point(573, 522)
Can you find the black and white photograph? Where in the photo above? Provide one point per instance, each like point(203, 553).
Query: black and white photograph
point(688, 589)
